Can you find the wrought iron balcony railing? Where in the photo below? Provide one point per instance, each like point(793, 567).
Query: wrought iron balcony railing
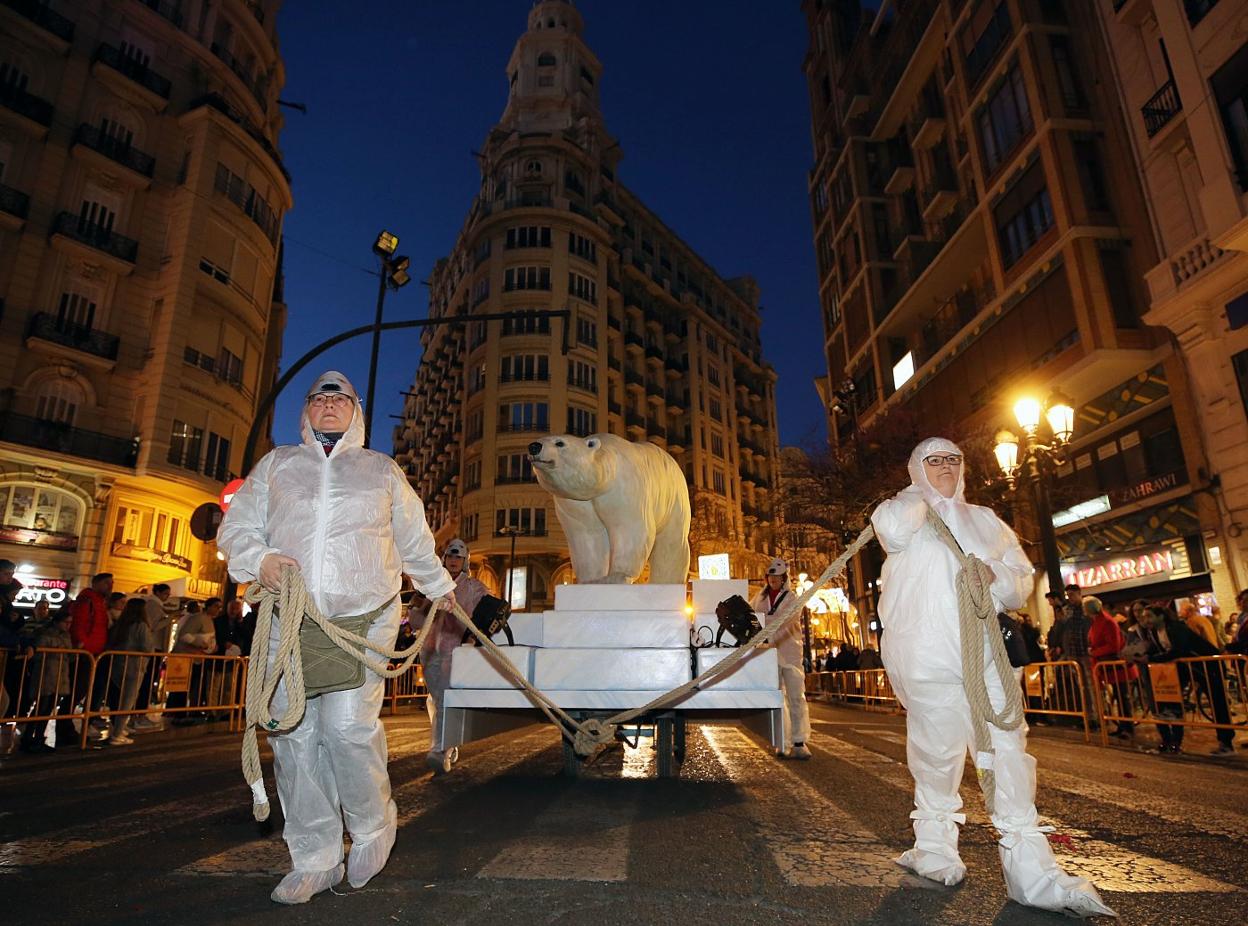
point(1161, 107)
point(43, 16)
point(80, 337)
point(137, 71)
point(96, 236)
point(14, 202)
point(115, 149)
point(26, 104)
point(63, 438)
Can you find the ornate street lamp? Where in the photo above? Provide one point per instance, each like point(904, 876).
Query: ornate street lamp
point(393, 275)
point(1033, 459)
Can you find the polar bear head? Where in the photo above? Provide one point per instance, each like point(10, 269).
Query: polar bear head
point(580, 468)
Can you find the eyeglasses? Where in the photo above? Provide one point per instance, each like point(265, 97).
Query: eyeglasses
point(936, 459)
point(323, 399)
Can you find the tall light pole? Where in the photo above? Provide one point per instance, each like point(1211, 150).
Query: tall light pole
point(393, 275)
point(508, 530)
point(1035, 460)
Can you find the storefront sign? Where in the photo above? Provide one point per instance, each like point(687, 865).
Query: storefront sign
point(1146, 489)
point(34, 590)
point(48, 540)
point(148, 555)
point(1153, 565)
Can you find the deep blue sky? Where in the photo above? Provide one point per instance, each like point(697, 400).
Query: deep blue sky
point(706, 98)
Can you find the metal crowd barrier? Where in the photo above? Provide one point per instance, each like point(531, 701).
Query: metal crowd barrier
point(868, 687)
point(50, 684)
point(1203, 692)
point(410, 687)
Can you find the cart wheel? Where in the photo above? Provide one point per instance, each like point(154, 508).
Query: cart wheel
point(679, 737)
point(663, 747)
point(571, 761)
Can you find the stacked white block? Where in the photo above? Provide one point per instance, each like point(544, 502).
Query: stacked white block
point(669, 598)
point(474, 667)
point(707, 593)
point(526, 629)
point(614, 629)
point(611, 669)
point(761, 669)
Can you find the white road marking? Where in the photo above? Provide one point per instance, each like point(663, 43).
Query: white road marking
point(1107, 866)
point(813, 842)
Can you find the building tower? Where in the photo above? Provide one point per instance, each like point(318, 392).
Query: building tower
point(980, 231)
point(141, 200)
point(660, 346)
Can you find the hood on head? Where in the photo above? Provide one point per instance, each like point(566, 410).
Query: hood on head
point(332, 381)
point(918, 475)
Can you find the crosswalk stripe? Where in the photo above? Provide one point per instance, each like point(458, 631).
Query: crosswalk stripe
point(1107, 866)
point(785, 812)
point(414, 797)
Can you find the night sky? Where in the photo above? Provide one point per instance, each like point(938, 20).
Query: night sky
point(706, 97)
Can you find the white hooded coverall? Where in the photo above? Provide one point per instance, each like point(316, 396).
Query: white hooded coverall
point(354, 525)
point(444, 638)
point(792, 674)
point(921, 650)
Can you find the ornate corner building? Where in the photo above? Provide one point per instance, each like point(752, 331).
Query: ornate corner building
point(659, 346)
point(981, 231)
point(141, 201)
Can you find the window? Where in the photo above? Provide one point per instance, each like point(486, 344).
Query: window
point(546, 60)
point(716, 412)
point(525, 368)
point(217, 458)
point(1230, 87)
point(244, 195)
point(480, 291)
point(1073, 98)
point(470, 527)
point(75, 311)
point(526, 325)
point(472, 475)
point(712, 343)
point(149, 529)
point(476, 378)
point(230, 367)
point(1118, 287)
point(586, 331)
point(1091, 175)
point(515, 278)
point(581, 422)
point(712, 374)
point(1240, 363)
point(717, 481)
point(185, 445)
point(582, 247)
point(717, 445)
point(40, 508)
point(58, 401)
point(583, 375)
point(528, 236)
point(1023, 214)
point(524, 416)
point(481, 254)
point(530, 522)
point(475, 426)
point(515, 467)
point(582, 288)
point(1005, 120)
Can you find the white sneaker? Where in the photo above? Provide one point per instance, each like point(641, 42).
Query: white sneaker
point(800, 751)
point(121, 739)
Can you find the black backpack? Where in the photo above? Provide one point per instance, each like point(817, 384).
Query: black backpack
point(738, 618)
point(490, 617)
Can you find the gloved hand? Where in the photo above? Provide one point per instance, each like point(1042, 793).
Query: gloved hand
point(271, 570)
point(447, 602)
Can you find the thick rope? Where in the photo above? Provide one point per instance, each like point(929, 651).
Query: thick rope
point(293, 604)
point(977, 621)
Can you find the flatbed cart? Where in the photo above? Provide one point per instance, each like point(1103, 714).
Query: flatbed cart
point(472, 714)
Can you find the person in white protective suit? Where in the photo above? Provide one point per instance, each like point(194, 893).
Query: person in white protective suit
point(435, 657)
point(789, 650)
point(921, 649)
point(347, 518)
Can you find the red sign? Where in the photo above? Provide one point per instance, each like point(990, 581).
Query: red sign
point(227, 494)
point(1158, 563)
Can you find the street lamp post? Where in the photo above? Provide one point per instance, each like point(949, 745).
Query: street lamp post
point(393, 275)
point(508, 530)
point(1035, 461)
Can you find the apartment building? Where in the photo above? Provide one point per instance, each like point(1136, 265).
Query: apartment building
point(141, 202)
point(1181, 70)
point(658, 347)
point(982, 233)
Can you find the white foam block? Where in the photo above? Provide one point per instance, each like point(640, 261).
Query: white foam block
point(619, 598)
point(760, 671)
point(526, 629)
point(627, 629)
point(610, 669)
point(707, 593)
point(474, 667)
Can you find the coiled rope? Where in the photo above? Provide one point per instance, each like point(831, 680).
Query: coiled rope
point(977, 621)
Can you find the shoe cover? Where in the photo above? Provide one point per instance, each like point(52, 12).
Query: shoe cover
point(453, 754)
point(800, 751)
point(366, 860)
point(1034, 879)
point(438, 762)
point(302, 886)
point(935, 853)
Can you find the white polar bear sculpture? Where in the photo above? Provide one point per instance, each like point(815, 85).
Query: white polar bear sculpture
point(620, 504)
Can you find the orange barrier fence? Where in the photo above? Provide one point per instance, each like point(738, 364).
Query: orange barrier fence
point(1209, 692)
point(868, 687)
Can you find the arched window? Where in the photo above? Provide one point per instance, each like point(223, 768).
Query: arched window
point(41, 508)
point(546, 59)
point(59, 400)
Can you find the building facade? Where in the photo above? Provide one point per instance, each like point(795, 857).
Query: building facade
point(1181, 70)
point(981, 233)
point(659, 347)
point(141, 200)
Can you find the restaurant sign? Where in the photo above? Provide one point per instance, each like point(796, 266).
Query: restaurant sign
point(148, 555)
point(1152, 565)
point(34, 590)
point(1146, 488)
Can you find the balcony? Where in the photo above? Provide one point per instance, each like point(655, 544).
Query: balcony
point(634, 420)
point(614, 407)
point(633, 378)
point(63, 438)
point(76, 235)
point(140, 80)
point(33, 114)
point(73, 340)
point(654, 352)
point(255, 84)
point(14, 207)
point(654, 390)
point(989, 44)
point(217, 102)
point(1161, 107)
point(614, 363)
point(608, 208)
point(527, 427)
point(656, 430)
point(613, 321)
point(94, 145)
point(927, 122)
point(939, 194)
point(585, 385)
point(165, 9)
point(903, 168)
point(52, 27)
point(632, 339)
point(677, 402)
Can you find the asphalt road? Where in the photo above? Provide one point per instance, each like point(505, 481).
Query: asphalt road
point(161, 832)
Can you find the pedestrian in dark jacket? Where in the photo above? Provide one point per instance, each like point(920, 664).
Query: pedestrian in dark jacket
point(51, 684)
